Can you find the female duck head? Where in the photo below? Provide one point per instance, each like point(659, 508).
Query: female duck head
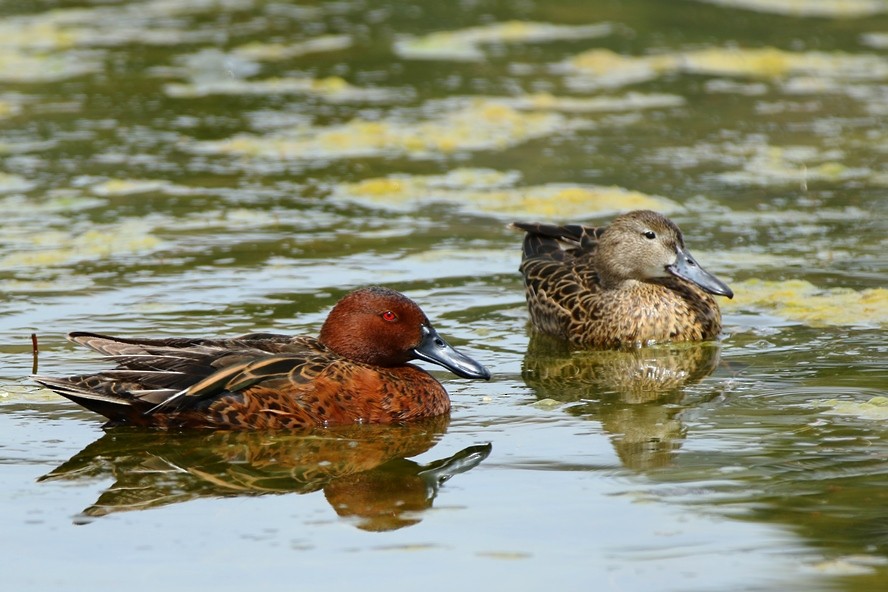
point(382, 327)
point(643, 245)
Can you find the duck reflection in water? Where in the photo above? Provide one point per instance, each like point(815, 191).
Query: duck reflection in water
point(364, 471)
point(633, 392)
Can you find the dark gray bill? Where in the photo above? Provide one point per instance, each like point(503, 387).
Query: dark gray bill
point(434, 349)
point(686, 267)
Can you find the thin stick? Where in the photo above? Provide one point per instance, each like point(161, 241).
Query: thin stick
point(34, 352)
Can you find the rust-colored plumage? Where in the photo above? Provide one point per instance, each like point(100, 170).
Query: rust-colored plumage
point(627, 284)
point(356, 371)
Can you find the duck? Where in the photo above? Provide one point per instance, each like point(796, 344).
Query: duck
point(357, 370)
point(631, 283)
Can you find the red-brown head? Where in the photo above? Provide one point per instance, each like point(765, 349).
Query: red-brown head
point(382, 327)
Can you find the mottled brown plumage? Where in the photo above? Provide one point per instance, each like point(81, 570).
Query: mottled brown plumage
point(627, 284)
point(356, 371)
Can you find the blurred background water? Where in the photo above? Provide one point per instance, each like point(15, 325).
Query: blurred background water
point(212, 167)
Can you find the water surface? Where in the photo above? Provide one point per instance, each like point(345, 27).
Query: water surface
point(217, 167)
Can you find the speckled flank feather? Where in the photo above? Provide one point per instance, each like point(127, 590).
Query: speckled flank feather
point(570, 297)
point(270, 381)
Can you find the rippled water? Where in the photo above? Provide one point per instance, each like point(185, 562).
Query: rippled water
point(213, 167)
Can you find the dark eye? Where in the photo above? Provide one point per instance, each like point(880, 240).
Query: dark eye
point(649, 234)
point(389, 316)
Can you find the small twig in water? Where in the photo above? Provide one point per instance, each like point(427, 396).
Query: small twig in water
point(34, 352)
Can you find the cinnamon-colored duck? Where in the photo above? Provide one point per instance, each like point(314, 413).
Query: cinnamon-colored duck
point(356, 371)
point(630, 283)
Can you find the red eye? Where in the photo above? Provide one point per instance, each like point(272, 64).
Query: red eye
point(389, 316)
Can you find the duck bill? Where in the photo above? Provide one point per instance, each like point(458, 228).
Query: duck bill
point(687, 268)
point(434, 349)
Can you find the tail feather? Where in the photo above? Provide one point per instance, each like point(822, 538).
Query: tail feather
point(154, 375)
point(112, 406)
point(553, 241)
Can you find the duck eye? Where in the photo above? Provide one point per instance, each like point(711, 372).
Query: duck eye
point(389, 316)
point(649, 234)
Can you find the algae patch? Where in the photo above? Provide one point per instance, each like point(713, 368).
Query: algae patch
point(272, 52)
point(809, 8)
point(333, 89)
point(492, 192)
point(802, 301)
point(603, 68)
point(479, 124)
point(465, 44)
point(58, 248)
point(875, 408)
point(756, 162)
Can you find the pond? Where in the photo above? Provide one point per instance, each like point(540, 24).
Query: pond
point(215, 167)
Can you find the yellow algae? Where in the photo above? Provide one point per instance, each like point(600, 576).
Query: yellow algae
point(603, 68)
point(485, 191)
point(738, 62)
point(463, 44)
point(627, 102)
point(16, 66)
point(875, 408)
point(816, 8)
point(802, 301)
point(770, 62)
point(54, 201)
point(131, 186)
point(333, 89)
point(278, 51)
point(56, 248)
point(580, 202)
point(9, 109)
point(476, 125)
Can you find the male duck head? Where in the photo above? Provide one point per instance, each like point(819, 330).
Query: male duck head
point(382, 327)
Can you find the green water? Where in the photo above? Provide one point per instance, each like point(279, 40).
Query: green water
point(163, 174)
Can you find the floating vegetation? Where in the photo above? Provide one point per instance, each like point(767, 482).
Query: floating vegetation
point(802, 301)
point(19, 67)
point(333, 89)
point(816, 8)
point(602, 68)
point(628, 102)
point(9, 108)
point(478, 124)
point(875, 408)
point(135, 186)
point(464, 44)
point(55, 248)
point(769, 62)
point(759, 163)
point(65, 284)
point(877, 40)
point(14, 183)
point(272, 52)
point(64, 202)
point(493, 192)
point(60, 44)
